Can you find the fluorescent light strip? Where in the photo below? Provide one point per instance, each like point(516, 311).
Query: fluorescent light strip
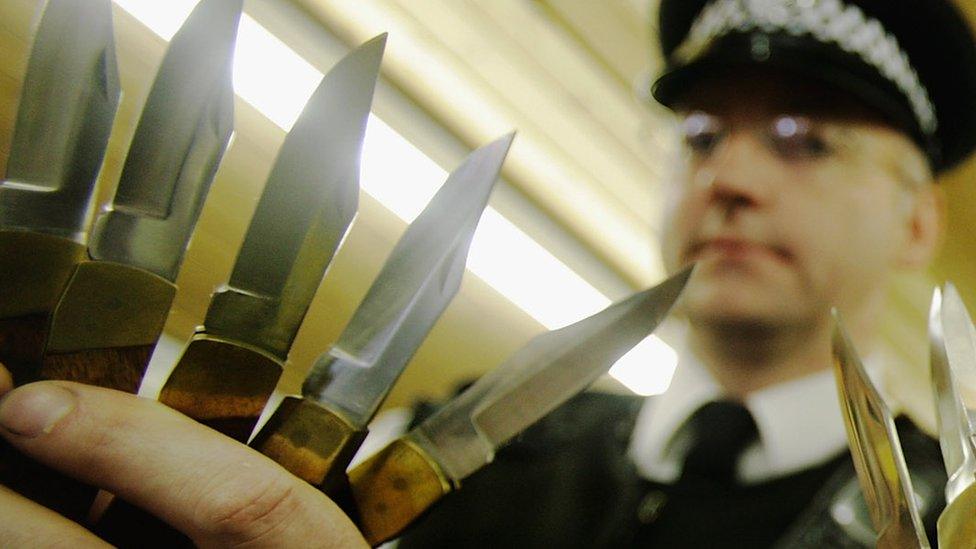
point(163, 18)
point(278, 82)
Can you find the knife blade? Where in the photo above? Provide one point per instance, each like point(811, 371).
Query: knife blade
point(316, 436)
point(952, 344)
point(67, 107)
point(399, 483)
point(231, 365)
point(876, 450)
point(106, 323)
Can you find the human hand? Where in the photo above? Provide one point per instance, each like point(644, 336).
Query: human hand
point(213, 489)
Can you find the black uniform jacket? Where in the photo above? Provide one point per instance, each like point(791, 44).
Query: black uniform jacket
point(567, 482)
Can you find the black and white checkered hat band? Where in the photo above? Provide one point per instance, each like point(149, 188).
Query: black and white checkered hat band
point(827, 21)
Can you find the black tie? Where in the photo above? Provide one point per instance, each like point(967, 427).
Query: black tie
point(720, 431)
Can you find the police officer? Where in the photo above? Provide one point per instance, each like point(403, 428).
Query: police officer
point(812, 134)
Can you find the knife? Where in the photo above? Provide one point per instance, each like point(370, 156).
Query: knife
point(68, 103)
point(402, 481)
point(953, 347)
point(876, 450)
point(315, 436)
point(67, 107)
point(231, 365)
point(107, 321)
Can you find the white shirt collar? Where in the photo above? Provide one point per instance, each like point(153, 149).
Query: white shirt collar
point(799, 421)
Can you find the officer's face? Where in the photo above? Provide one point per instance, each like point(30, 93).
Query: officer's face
point(789, 205)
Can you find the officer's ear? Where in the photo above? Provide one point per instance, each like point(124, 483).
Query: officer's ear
point(924, 225)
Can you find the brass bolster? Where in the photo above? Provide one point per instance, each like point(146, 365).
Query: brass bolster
point(957, 524)
point(221, 384)
point(394, 487)
point(108, 305)
point(312, 442)
point(34, 269)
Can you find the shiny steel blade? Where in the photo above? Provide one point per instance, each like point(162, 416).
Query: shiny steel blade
point(67, 106)
point(417, 282)
point(307, 205)
point(181, 137)
point(463, 436)
point(953, 346)
point(876, 450)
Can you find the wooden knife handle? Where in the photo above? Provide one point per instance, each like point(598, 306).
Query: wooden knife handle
point(120, 368)
point(394, 488)
point(105, 326)
point(222, 385)
point(957, 524)
point(312, 442)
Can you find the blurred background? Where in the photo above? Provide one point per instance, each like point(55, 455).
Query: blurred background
point(573, 223)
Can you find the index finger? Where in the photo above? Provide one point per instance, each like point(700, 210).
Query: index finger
point(206, 485)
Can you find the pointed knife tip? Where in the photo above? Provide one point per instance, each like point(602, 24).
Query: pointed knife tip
point(503, 143)
point(378, 41)
point(494, 152)
point(371, 51)
point(953, 305)
point(949, 292)
point(685, 274)
point(676, 282)
point(215, 20)
point(839, 340)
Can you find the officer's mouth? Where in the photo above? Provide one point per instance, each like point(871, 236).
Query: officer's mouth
point(736, 249)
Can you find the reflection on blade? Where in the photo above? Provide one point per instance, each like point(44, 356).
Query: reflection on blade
point(417, 282)
point(182, 133)
point(67, 106)
point(953, 348)
point(306, 207)
point(543, 374)
point(876, 450)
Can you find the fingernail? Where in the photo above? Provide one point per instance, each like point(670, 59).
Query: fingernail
point(35, 409)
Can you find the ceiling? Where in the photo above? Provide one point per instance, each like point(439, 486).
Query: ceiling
point(583, 176)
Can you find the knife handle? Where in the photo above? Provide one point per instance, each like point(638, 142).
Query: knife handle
point(394, 488)
point(105, 326)
point(221, 384)
point(312, 442)
point(957, 524)
point(120, 368)
point(34, 269)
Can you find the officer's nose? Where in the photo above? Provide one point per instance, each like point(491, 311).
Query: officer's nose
point(739, 176)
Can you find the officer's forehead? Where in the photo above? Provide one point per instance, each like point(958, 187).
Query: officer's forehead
point(759, 91)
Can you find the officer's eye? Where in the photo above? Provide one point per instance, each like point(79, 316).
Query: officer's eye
point(796, 138)
point(701, 132)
